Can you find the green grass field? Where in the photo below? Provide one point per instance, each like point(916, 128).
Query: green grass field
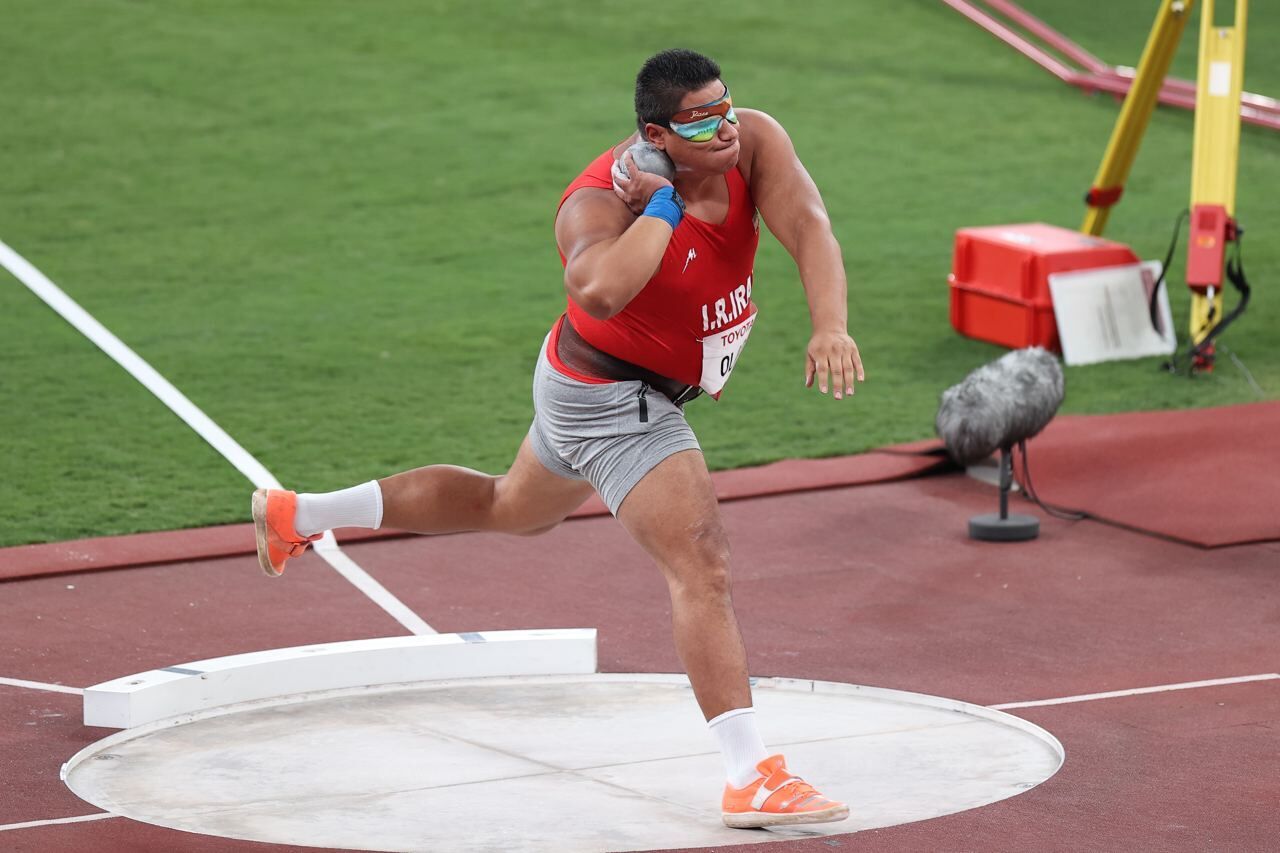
point(330, 225)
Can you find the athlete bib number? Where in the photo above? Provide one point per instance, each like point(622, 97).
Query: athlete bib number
point(720, 352)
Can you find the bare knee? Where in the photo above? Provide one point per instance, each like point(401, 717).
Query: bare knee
point(484, 497)
point(705, 580)
point(702, 567)
point(538, 531)
point(515, 513)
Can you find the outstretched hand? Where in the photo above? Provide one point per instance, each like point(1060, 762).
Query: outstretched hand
point(636, 190)
point(833, 354)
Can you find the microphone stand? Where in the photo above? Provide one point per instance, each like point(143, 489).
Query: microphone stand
point(1003, 527)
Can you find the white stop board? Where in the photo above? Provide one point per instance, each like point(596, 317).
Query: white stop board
point(1104, 314)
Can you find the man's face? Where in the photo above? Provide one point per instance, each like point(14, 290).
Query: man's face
point(715, 156)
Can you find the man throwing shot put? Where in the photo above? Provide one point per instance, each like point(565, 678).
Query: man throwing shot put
point(659, 279)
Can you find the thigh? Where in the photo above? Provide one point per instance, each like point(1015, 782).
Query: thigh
point(674, 515)
point(530, 498)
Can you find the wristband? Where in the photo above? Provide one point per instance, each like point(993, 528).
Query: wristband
point(666, 204)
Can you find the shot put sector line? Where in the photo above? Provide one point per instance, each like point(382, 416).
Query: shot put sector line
point(177, 402)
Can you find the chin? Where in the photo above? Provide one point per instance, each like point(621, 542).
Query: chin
point(716, 162)
point(724, 159)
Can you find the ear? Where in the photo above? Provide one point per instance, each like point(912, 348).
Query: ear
point(656, 134)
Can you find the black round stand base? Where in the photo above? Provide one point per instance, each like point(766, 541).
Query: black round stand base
point(993, 528)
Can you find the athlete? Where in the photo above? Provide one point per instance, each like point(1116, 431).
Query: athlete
point(659, 282)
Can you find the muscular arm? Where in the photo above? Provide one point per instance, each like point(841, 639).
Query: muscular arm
point(792, 208)
point(610, 254)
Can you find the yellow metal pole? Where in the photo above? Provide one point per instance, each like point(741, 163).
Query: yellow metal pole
point(1135, 113)
point(1215, 159)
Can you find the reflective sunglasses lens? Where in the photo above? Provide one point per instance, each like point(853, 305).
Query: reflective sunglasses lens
point(699, 131)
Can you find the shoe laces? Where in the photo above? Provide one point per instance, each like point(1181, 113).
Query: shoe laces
point(797, 792)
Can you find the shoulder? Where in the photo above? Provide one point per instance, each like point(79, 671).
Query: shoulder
point(589, 209)
point(758, 120)
point(763, 138)
point(588, 216)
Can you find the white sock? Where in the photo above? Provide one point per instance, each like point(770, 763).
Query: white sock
point(740, 745)
point(358, 506)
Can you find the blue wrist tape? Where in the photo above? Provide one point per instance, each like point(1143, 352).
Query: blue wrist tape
point(666, 204)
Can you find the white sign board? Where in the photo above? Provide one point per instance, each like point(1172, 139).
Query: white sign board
point(1104, 314)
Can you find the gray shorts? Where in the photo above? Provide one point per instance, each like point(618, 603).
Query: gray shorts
point(603, 434)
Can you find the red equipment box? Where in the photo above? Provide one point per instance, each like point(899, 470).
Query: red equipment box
point(1000, 279)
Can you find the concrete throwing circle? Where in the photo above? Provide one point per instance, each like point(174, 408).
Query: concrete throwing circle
point(554, 763)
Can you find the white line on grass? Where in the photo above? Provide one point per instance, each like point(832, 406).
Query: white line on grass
point(79, 819)
point(40, 685)
point(1114, 694)
point(83, 321)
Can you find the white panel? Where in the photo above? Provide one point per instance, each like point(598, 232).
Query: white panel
point(1219, 79)
point(1104, 314)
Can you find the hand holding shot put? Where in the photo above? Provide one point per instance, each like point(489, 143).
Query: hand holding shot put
point(658, 236)
point(632, 179)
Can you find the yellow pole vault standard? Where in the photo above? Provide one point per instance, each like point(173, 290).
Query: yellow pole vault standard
point(1134, 115)
point(1213, 172)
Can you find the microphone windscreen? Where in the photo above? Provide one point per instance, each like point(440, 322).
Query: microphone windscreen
point(999, 404)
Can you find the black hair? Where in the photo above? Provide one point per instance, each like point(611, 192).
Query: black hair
point(664, 80)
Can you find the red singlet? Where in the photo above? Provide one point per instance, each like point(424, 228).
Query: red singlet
point(701, 291)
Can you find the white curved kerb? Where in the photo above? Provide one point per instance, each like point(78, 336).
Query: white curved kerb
point(189, 688)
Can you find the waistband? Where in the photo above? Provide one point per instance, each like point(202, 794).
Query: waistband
point(581, 356)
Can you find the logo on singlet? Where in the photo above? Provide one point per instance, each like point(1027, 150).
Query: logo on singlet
point(693, 253)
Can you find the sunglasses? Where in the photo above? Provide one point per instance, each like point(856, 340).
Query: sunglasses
point(700, 123)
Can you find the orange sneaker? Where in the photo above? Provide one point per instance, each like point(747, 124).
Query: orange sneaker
point(273, 511)
point(777, 798)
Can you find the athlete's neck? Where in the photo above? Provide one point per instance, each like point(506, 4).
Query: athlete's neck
point(694, 186)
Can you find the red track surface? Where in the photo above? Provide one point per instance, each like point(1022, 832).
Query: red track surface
point(875, 584)
point(1207, 477)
